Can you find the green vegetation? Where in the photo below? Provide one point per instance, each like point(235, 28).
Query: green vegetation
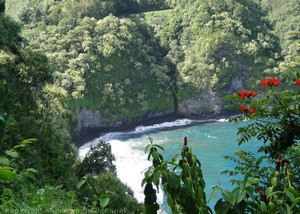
point(40, 174)
point(213, 43)
point(182, 181)
point(60, 55)
point(128, 67)
point(274, 121)
point(152, 14)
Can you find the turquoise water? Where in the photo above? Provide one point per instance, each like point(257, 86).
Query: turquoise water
point(210, 142)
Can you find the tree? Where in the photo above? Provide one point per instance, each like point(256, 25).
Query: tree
point(97, 161)
point(214, 43)
point(2, 6)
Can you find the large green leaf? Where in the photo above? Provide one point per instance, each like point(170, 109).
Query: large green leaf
point(216, 189)
point(221, 207)
point(238, 194)
point(6, 173)
point(229, 197)
point(4, 161)
point(296, 201)
point(81, 183)
point(173, 180)
point(104, 201)
point(263, 207)
point(274, 181)
point(12, 153)
point(30, 173)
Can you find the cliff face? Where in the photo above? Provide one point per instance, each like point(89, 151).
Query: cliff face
point(87, 119)
point(91, 124)
point(208, 104)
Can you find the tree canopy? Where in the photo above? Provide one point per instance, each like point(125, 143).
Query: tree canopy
point(126, 59)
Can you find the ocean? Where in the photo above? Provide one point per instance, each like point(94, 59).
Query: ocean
point(210, 141)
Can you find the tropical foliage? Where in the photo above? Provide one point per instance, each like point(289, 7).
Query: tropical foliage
point(60, 55)
point(38, 161)
point(275, 122)
point(269, 182)
point(181, 179)
point(105, 57)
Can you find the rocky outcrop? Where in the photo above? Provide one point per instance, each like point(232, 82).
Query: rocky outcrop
point(236, 84)
point(88, 119)
point(91, 124)
point(208, 103)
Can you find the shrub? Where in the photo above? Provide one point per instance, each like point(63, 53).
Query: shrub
point(98, 160)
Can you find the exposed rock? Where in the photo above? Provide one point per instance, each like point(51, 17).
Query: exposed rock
point(87, 119)
point(208, 103)
point(237, 84)
point(157, 114)
point(91, 124)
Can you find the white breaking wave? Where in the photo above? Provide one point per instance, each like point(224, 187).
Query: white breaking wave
point(131, 165)
point(130, 162)
point(222, 120)
point(84, 149)
point(138, 130)
point(176, 123)
point(210, 136)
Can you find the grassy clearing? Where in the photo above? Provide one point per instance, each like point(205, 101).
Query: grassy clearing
point(148, 15)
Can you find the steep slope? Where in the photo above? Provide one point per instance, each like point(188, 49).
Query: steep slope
point(218, 48)
point(186, 62)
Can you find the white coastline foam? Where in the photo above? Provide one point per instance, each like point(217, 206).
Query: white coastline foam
point(222, 120)
point(131, 165)
point(130, 162)
point(176, 123)
point(138, 130)
point(83, 150)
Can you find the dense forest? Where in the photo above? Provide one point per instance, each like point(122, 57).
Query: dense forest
point(124, 59)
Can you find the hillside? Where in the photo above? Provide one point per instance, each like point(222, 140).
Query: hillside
point(68, 66)
point(195, 53)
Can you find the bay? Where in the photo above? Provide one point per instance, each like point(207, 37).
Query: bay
point(210, 141)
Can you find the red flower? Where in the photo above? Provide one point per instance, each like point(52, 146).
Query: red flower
point(242, 94)
point(298, 82)
point(276, 82)
point(270, 82)
point(245, 93)
point(242, 108)
point(264, 83)
point(185, 141)
point(254, 93)
point(251, 110)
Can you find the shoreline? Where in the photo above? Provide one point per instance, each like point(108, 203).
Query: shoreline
point(90, 134)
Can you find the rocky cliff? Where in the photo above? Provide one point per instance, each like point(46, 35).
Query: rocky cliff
point(91, 124)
